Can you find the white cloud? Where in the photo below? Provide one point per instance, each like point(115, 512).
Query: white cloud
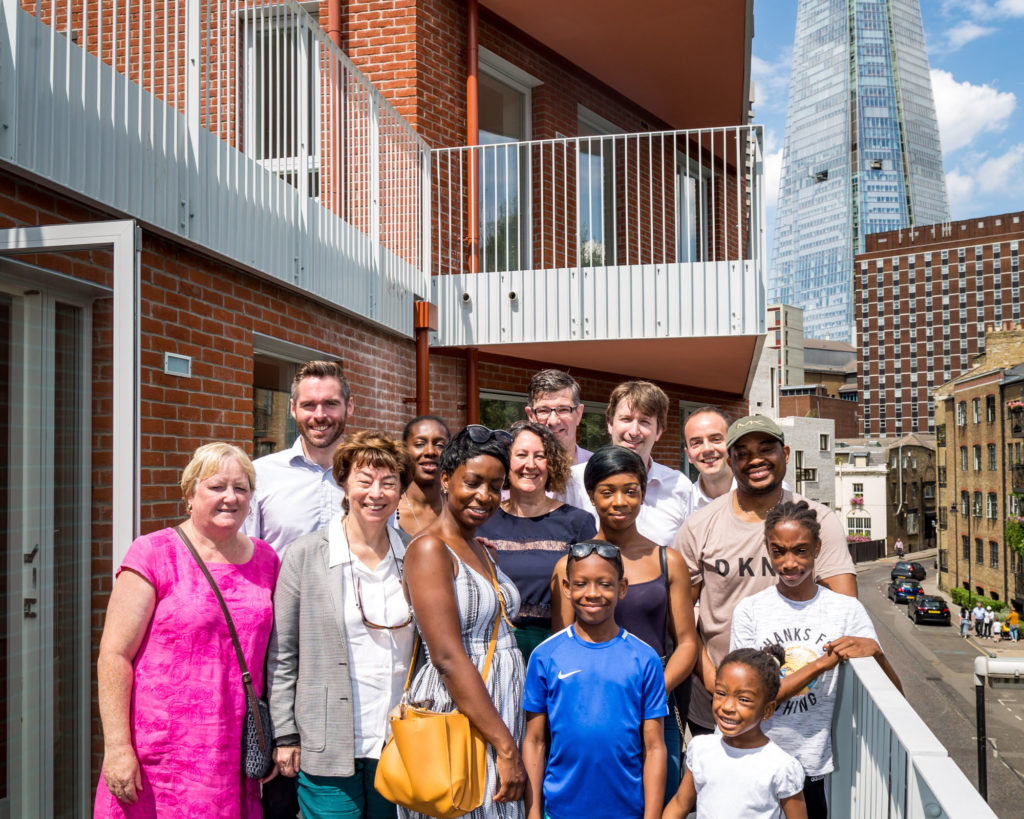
point(1001, 173)
point(964, 110)
point(987, 184)
point(964, 33)
point(771, 80)
point(1011, 8)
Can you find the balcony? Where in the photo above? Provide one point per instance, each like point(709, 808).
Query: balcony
point(1015, 415)
point(888, 762)
point(1017, 478)
point(652, 237)
point(233, 126)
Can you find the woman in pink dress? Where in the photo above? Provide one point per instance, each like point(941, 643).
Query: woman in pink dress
point(170, 689)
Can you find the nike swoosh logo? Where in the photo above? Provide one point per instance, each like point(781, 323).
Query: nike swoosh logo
point(563, 675)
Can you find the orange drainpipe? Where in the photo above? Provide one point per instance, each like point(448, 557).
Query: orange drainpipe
point(472, 387)
point(473, 138)
point(334, 21)
point(424, 320)
point(473, 133)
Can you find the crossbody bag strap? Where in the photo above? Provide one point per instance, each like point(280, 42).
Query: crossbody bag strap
point(250, 692)
point(497, 618)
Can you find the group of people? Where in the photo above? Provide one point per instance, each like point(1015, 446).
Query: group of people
point(987, 626)
point(623, 602)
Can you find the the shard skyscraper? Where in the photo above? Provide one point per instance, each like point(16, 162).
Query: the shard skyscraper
point(862, 151)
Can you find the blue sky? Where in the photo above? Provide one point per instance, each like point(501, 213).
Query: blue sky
point(976, 53)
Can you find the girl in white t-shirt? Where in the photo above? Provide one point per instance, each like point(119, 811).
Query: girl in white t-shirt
point(738, 771)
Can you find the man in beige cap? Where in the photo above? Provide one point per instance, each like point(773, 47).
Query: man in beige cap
point(724, 546)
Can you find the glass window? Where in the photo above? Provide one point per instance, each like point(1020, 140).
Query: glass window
point(991, 506)
point(976, 449)
point(503, 123)
point(823, 442)
point(965, 547)
point(282, 97)
point(992, 457)
point(963, 458)
point(976, 505)
point(961, 414)
point(979, 551)
point(976, 410)
point(990, 407)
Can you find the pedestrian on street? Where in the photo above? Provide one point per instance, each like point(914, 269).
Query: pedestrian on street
point(989, 617)
point(965, 622)
point(978, 613)
point(1013, 621)
point(899, 548)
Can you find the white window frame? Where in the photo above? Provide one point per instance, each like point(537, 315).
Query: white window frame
point(595, 122)
point(258, 21)
point(691, 168)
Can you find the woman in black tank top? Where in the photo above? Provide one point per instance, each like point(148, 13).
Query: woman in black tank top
point(657, 607)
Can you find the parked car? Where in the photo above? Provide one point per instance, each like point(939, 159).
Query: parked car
point(902, 589)
point(906, 568)
point(928, 609)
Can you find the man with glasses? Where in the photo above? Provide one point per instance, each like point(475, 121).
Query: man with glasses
point(555, 402)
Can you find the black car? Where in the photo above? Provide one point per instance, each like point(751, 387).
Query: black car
point(902, 589)
point(906, 568)
point(928, 610)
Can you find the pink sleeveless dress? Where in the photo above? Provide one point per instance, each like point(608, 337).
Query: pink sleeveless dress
point(188, 703)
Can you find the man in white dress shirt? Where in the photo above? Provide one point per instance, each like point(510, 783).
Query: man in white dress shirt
point(637, 414)
point(555, 402)
point(704, 438)
point(295, 489)
point(296, 494)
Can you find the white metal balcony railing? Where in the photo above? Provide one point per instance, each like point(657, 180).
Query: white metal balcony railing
point(644, 235)
point(888, 762)
point(236, 125)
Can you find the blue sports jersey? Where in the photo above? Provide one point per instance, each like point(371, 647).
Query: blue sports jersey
point(596, 697)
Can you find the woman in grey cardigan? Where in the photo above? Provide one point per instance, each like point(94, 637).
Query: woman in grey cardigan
point(339, 596)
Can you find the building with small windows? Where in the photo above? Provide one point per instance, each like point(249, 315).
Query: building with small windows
point(980, 431)
point(885, 489)
point(811, 467)
point(924, 300)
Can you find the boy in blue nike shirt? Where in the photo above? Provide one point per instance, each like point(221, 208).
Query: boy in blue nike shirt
point(602, 692)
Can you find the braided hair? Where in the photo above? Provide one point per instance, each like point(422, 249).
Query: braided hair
point(796, 511)
point(766, 663)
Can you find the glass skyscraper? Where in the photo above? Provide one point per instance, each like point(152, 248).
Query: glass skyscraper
point(862, 152)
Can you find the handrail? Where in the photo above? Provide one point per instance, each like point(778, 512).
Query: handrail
point(888, 763)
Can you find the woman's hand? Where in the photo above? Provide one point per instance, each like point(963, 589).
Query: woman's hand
point(511, 777)
point(122, 774)
point(288, 759)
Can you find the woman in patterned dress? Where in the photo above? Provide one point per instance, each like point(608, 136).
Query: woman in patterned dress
point(448, 579)
point(170, 690)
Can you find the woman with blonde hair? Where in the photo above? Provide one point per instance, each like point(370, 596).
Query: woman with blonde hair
point(171, 696)
point(342, 638)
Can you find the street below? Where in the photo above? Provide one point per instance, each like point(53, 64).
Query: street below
point(936, 667)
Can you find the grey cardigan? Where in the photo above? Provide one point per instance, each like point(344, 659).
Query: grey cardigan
point(313, 700)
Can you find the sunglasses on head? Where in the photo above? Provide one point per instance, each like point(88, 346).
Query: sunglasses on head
point(479, 434)
point(578, 551)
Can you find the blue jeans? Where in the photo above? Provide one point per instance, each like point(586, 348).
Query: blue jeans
point(965, 627)
point(1013, 633)
point(344, 797)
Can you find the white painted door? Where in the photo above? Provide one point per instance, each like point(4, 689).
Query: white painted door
point(45, 529)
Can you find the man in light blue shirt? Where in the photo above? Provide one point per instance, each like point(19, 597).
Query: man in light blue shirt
point(295, 489)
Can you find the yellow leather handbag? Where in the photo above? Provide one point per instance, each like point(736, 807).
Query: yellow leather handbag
point(435, 763)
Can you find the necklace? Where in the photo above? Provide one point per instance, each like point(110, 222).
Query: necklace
point(415, 519)
point(357, 583)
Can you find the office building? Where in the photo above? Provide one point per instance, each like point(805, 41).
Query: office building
point(861, 152)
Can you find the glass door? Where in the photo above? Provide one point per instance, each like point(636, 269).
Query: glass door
point(45, 536)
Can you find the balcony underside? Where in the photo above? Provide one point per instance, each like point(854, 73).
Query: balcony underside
point(696, 324)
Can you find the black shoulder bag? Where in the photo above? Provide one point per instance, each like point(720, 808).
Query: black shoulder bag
point(257, 747)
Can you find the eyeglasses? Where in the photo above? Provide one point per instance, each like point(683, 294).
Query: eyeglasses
point(578, 551)
point(479, 434)
point(543, 413)
point(370, 623)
